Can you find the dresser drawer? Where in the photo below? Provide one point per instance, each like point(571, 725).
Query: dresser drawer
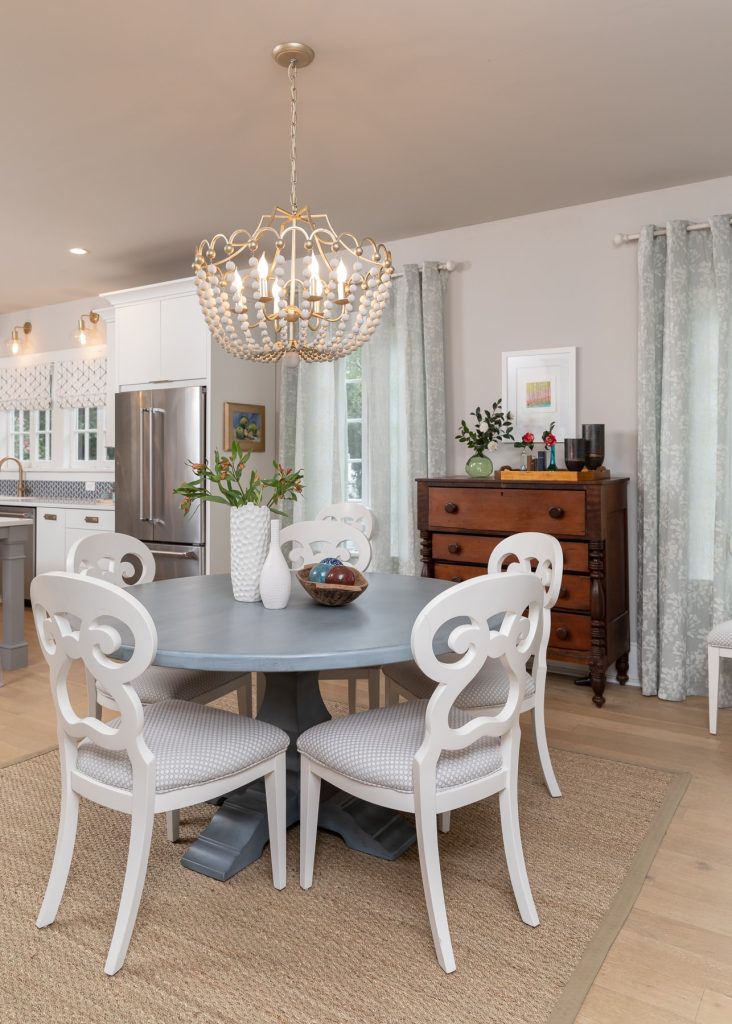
point(570, 632)
point(575, 593)
point(457, 573)
point(90, 519)
point(461, 547)
point(507, 511)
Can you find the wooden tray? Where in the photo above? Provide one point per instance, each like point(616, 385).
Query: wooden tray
point(334, 595)
point(577, 476)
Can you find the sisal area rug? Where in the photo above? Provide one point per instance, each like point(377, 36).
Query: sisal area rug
point(357, 946)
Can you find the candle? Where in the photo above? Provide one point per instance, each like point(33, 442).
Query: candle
point(262, 272)
point(316, 285)
point(341, 275)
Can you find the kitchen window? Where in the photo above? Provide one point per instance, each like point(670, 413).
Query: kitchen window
point(29, 435)
point(88, 436)
point(356, 483)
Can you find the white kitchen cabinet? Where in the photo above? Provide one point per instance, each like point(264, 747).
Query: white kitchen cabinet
point(57, 529)
point(160, 335)
point(184, 339)
point(50, 539)
point(137, 334)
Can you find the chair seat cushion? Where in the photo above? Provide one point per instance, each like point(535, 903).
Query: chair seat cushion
point(721, 635)
point(192, 744)
point(378, 747)
point(489, 688)
point(158, 683)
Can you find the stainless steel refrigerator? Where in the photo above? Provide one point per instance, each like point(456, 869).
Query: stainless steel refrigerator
point(157, 432)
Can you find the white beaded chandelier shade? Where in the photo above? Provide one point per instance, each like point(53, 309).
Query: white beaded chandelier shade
point(294, 287)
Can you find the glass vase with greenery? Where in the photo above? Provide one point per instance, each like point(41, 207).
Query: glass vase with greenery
point(491, 427)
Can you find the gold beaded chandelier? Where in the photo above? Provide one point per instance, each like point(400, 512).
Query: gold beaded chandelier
point(294, 287)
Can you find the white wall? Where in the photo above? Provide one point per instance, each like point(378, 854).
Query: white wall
point(53, 326)
point(551, 279)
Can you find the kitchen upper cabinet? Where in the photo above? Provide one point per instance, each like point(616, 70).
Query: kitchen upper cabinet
point(160, 338)
point(184, 339)
point(137, 334)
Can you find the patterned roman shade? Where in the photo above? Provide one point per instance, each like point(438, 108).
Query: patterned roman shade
point(25, 387)
point(80, 382)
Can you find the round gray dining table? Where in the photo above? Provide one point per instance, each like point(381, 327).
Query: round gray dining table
point(201, 626)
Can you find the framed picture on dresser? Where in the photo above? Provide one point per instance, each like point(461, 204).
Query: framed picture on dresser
point(540, 387)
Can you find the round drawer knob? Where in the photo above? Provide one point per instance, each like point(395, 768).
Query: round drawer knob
point(564, 593)
point(451, 507)
point(454, 549)
point(556, 512)
point(562, 633)
point(457, 579)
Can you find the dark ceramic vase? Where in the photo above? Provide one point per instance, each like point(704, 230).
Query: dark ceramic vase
point(594, 434)
point(575, 452)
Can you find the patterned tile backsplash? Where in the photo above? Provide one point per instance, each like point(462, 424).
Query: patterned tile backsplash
point(60, 490)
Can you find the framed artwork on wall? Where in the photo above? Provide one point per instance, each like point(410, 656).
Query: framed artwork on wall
point(245, 424)
point(539, 385)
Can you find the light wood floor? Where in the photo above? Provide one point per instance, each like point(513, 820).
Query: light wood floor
point(672, 961)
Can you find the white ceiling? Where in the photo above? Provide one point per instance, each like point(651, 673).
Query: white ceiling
point(135, 129)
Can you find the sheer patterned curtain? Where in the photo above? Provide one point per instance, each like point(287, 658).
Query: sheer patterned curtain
point(404, 431)
point(684, 454)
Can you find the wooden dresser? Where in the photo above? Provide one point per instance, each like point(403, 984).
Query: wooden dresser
point(462, 519)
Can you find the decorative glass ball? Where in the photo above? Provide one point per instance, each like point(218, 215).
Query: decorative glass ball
point(318, 572)
point(342, 575)
point(330, 561)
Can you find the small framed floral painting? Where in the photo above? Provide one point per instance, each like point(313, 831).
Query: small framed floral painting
point(539, 386)
point(245, 424)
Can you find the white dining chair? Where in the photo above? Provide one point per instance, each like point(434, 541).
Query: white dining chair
point(312, 540)
point(358, 515)
point(148, 760)
point(537, 553)
point(428, 757)
point(719, 645)
point(125, 562)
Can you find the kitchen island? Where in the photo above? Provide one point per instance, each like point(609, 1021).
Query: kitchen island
point(13, 649)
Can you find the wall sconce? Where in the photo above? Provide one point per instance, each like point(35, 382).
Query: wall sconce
point(82, 330)
point(16, 342)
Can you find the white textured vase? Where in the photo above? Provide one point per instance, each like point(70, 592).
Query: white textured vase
point(275, 583)
point(249, 535)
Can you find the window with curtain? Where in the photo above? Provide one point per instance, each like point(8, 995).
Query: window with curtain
point(684, 453)
point(356, 470)
point(364, 427)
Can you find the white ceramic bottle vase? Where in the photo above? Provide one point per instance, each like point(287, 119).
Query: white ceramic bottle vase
point(275, 583)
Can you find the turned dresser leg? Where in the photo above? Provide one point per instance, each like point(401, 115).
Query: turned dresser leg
point(621, 668)
point(597, 679)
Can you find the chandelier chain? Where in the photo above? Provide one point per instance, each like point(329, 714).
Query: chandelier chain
point(292, 75)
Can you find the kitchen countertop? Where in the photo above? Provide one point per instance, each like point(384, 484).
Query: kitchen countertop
point(98, 503)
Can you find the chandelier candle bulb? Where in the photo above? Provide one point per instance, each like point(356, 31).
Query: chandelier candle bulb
point(341, 275)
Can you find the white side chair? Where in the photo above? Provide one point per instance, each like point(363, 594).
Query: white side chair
point(125, 561)
point(428, 757)
point(352, 512)
point(719, 646)
point(149, 760)
point(362, 518)
point(311, 540)
point(537, 553)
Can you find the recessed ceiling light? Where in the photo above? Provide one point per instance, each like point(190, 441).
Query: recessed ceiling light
point(77, 251)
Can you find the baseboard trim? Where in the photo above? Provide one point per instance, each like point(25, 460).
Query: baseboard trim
point(565, 668)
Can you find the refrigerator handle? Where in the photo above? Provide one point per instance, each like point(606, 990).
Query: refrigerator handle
point(152, 411)
point(143, 517)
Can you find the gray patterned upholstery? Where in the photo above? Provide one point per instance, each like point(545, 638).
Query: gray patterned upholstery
point(159, 683)
point(192, 744)
point(489, 688)
point(721, 635)
point(378, 747)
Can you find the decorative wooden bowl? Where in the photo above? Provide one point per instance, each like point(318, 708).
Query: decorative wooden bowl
point(332, 594)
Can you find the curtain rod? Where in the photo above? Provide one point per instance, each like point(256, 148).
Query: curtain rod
point(449, 266)
point(622, 239)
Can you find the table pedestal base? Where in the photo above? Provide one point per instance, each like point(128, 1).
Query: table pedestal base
point(238, 833)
